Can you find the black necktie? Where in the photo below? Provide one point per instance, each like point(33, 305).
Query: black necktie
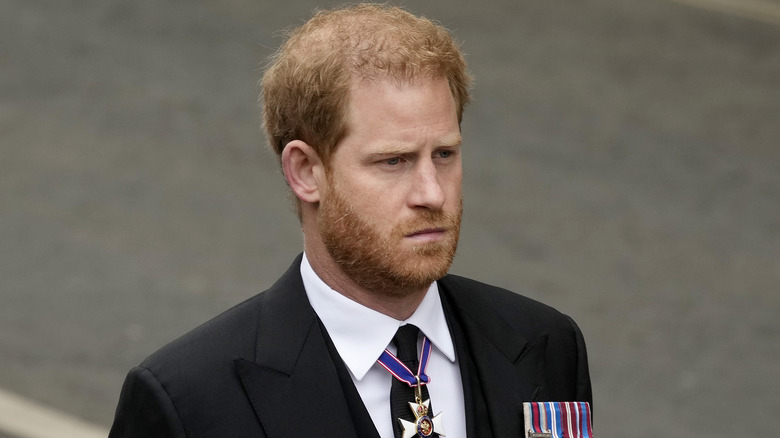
point(401, 394)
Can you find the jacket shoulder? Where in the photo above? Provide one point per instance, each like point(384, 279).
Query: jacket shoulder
point(192, 382)
point(518, 310)
point(231, 333)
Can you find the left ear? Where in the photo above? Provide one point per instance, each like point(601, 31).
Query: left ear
point(303, 170)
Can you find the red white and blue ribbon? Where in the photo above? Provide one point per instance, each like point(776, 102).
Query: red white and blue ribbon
point(558, 419)
point(402, 372)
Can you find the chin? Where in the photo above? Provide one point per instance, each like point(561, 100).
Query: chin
point(426, 264)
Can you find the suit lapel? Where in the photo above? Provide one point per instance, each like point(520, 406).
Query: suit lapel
point(509, 367)
point(292, 382)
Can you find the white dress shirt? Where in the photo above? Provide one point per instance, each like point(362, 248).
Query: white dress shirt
point(361, 334)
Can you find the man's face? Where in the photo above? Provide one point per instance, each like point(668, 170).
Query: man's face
point(390, 214)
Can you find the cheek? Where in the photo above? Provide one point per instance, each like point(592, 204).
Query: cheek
point(380, 208)
point(453, 183)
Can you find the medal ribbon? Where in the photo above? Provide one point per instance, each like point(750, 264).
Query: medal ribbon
point(558, 419)
point(402, 372)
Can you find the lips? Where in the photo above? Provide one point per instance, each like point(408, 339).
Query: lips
point(427, 235)
point(427, 231)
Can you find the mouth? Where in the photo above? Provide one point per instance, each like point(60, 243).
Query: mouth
point(427, 234)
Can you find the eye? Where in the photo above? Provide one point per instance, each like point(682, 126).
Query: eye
point(393, 161)
point(445, 153)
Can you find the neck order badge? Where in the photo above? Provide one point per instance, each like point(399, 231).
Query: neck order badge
point(424, 425)
point(557, 420)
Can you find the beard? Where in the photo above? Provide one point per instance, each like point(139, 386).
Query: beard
point(383, 263)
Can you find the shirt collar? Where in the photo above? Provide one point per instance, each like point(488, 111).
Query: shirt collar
point(361, 334)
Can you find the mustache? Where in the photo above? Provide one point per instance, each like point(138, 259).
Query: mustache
point(428, 219)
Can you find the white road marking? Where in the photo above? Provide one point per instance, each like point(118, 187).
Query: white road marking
point(28, 419)
point(762, 10)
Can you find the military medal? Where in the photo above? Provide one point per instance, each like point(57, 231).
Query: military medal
point(557, 420)
point(424, 425)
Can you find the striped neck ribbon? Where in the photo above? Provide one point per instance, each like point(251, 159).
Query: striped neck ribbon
point(402, 372)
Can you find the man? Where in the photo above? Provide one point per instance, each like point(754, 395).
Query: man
point(363, 106)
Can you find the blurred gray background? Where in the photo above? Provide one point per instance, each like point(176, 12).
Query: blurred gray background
point(622, 164)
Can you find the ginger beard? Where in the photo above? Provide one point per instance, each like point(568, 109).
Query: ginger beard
point(385, 264)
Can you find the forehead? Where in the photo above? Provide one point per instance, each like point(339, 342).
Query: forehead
point(414, 113)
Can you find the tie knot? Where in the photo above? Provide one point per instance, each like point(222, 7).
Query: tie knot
point(405, 341)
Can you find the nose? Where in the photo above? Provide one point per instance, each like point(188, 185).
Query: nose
point(426, 188)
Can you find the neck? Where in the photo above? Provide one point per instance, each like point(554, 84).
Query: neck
point(400, 304)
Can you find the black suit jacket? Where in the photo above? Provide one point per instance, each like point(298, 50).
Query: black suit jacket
point(263, 368)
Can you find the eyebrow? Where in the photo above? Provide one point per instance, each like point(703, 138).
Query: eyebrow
point(402, 151)
point(452, 141)
point(455, 140)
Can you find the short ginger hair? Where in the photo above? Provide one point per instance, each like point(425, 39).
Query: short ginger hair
point(306, 86)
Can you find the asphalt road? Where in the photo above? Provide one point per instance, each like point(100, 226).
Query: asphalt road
point(622, 164)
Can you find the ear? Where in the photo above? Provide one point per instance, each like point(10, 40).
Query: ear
point(303, 170)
